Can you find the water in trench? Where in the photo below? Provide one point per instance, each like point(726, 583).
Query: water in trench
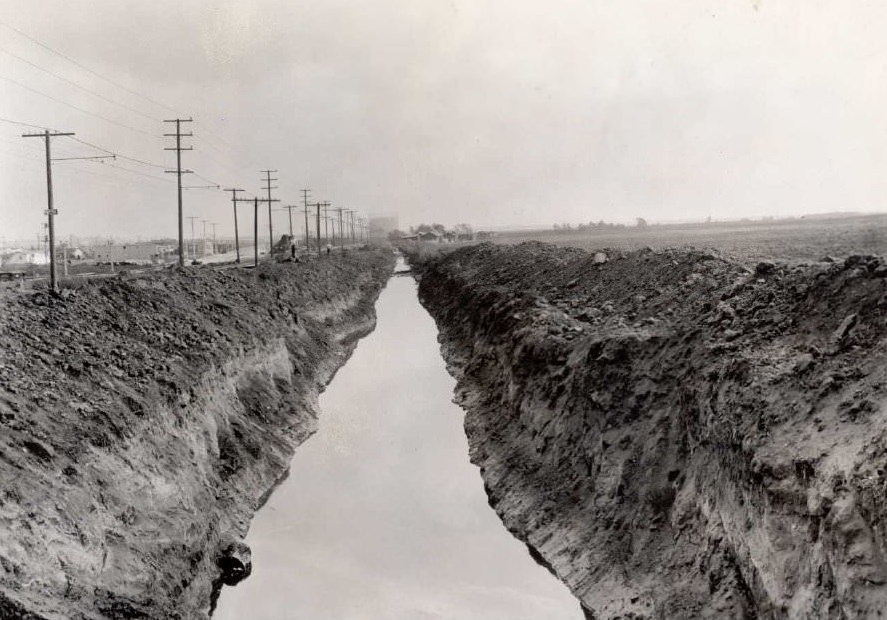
point(383, 517)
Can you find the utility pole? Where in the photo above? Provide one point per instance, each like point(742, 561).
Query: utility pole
point(256, 228)
point(213, 224)
point(50, 211)
point(234, 201)
point(268, 188)
point(193, 244)
point(317, 204)
point(341, 230)
point(179, 172)
point(326, 221)
point(305, 193)
point(290, 208)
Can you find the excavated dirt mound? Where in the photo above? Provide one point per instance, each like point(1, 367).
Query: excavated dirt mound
point(673, 434)
point(145, 418)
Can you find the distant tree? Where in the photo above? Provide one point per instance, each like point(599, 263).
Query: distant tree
point(463, 231)
point(641, 222)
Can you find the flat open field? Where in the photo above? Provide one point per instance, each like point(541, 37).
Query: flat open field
point(805, 240)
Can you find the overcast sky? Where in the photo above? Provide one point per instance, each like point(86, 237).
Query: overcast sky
point(491, 113)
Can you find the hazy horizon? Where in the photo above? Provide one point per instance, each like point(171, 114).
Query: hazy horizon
point(571, 111)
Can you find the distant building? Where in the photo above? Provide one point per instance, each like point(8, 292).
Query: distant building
point(431, 235)
point(23, 257)
point(138, 252)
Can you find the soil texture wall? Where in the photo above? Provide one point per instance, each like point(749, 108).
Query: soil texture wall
point(673, 434)
point(145, 418)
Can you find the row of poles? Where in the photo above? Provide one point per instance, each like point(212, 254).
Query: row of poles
point(347, 220)
point(350, 227)
point(358, 227)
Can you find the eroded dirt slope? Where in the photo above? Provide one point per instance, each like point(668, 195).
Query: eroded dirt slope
point(673, 434)
point(144, 419)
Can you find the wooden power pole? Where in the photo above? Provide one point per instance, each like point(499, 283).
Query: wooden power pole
point(305, 193)
point(256, 228)
point(318, 205)
point(326, 221)
point(341, 230)
point(179, 172)
point(289, 209)
point(234, 201)
point(268, 188)
point(50, 211)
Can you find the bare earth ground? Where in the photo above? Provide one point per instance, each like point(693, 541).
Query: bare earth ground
point(674, 433)
point(807, 239)
point(144, 418)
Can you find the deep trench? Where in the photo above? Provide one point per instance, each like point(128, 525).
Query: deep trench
point(382, 515)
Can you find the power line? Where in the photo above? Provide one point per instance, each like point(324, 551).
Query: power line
point(75, 167)
point(150, 176)
point(76, 85)
point(30, 156)
point(71, 105)
point(32, 126)
point(113, 178)
point(120, 155)
point(85, 68)
point(200, 176)
point(229, 166)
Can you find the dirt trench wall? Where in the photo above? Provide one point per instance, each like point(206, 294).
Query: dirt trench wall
point(675, 435)
point(146, 418)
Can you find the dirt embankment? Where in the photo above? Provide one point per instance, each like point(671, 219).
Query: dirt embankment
point(145, 419)
point(676, 435)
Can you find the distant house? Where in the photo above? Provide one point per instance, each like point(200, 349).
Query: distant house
point(25, 257)
point(139, 252)
point(431, 235)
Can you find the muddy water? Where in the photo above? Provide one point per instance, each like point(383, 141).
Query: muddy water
point(383, 517)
